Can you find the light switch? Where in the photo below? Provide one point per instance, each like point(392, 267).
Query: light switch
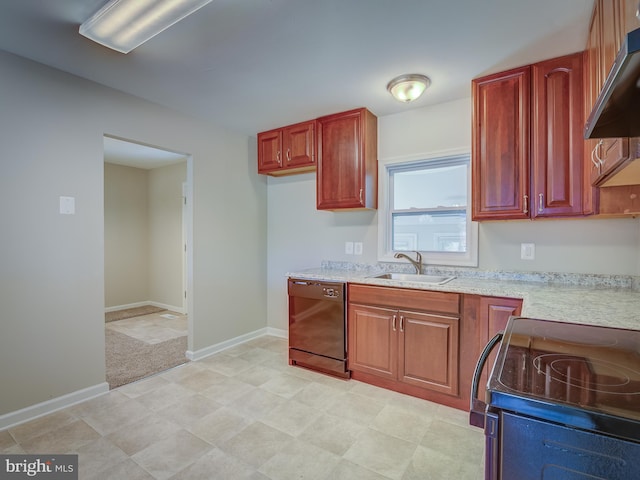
point(357, 248)
point(67, 205)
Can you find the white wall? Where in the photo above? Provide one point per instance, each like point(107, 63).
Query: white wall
point(52, 266)
point(300, 236)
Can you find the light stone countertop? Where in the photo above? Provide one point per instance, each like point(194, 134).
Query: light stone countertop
point(596, 304)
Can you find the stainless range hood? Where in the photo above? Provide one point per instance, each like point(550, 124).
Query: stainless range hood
point(616, 112)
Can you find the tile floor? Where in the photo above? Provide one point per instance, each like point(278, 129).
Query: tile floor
point(153, 328)
point(245, 414)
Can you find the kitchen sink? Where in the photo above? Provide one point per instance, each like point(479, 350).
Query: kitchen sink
point(414, 277)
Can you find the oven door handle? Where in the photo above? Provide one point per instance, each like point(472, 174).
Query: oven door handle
point(477, 407)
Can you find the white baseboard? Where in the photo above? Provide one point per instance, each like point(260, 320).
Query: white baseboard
point(35, 411)
point(173, 308)
point(277, 332)
point(124, 307)
point(12, 419)
point(219, 347)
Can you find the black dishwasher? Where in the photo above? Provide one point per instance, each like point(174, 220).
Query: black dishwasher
point(317, 326)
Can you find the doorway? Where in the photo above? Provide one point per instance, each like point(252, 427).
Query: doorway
point(146, 233)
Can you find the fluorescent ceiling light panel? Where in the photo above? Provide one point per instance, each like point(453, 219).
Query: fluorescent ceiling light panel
point(123, 25)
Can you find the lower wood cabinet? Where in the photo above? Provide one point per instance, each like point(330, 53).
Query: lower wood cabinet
point(493, 318)
point(413, 351)
point(428, 351)
point(422, 343)
point(373, 343)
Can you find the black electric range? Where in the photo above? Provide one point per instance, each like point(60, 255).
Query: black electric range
point(563, 401)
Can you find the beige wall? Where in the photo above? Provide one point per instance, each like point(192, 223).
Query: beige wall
point(607, 246)
point(299, 236)
point(165, 234)
point(143, 235)
point(52, 266)
point(126, 235)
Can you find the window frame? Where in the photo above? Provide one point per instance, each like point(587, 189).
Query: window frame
point(385, 227)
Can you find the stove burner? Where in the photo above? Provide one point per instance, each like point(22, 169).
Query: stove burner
point(579, 336)
point(588, 374)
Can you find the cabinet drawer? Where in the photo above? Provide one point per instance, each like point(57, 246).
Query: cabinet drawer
point(424, 300)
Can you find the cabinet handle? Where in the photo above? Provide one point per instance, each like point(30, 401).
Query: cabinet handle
point(526, 204)
point(288, 155)
point(401, 323)
point(597, 163)
point(278, 158)
point(599, 145)
point(360, 195)
point(540, 202)
point(393, 323)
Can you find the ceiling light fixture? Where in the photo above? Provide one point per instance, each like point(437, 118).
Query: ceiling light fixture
point(123, 25)
point(406, 88)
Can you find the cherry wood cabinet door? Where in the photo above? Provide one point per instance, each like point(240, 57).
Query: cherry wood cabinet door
point(557, 147)
point(269, 151)
point(591, 84)
point(494, 315)
point(629, 10)
point(500, 145)
point(429, 351)
point(609, 24)
point(299, 144)
point(347, 161)
point(287, 150)
point(373, 340)
point(612, 13)
point(610, 152)
point(594, 58)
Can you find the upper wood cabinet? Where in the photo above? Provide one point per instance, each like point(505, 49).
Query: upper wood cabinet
point(287, 150)
point(558, 144)
point(527, 141)
point(610, 22)
point(629, 12)
point(347, 148)
point(606, 31)
point(270, 151)
point(500, 148)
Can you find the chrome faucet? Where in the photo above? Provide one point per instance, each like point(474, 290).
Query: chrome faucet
point(417, 263)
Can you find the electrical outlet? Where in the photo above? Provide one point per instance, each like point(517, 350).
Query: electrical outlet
point(357, 248)
point(348, 248)
point(527, 251)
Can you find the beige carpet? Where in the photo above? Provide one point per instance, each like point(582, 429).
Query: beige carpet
point(129, 359)
point(131, 312)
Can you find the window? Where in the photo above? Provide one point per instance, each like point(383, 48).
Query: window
point(424, 208)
